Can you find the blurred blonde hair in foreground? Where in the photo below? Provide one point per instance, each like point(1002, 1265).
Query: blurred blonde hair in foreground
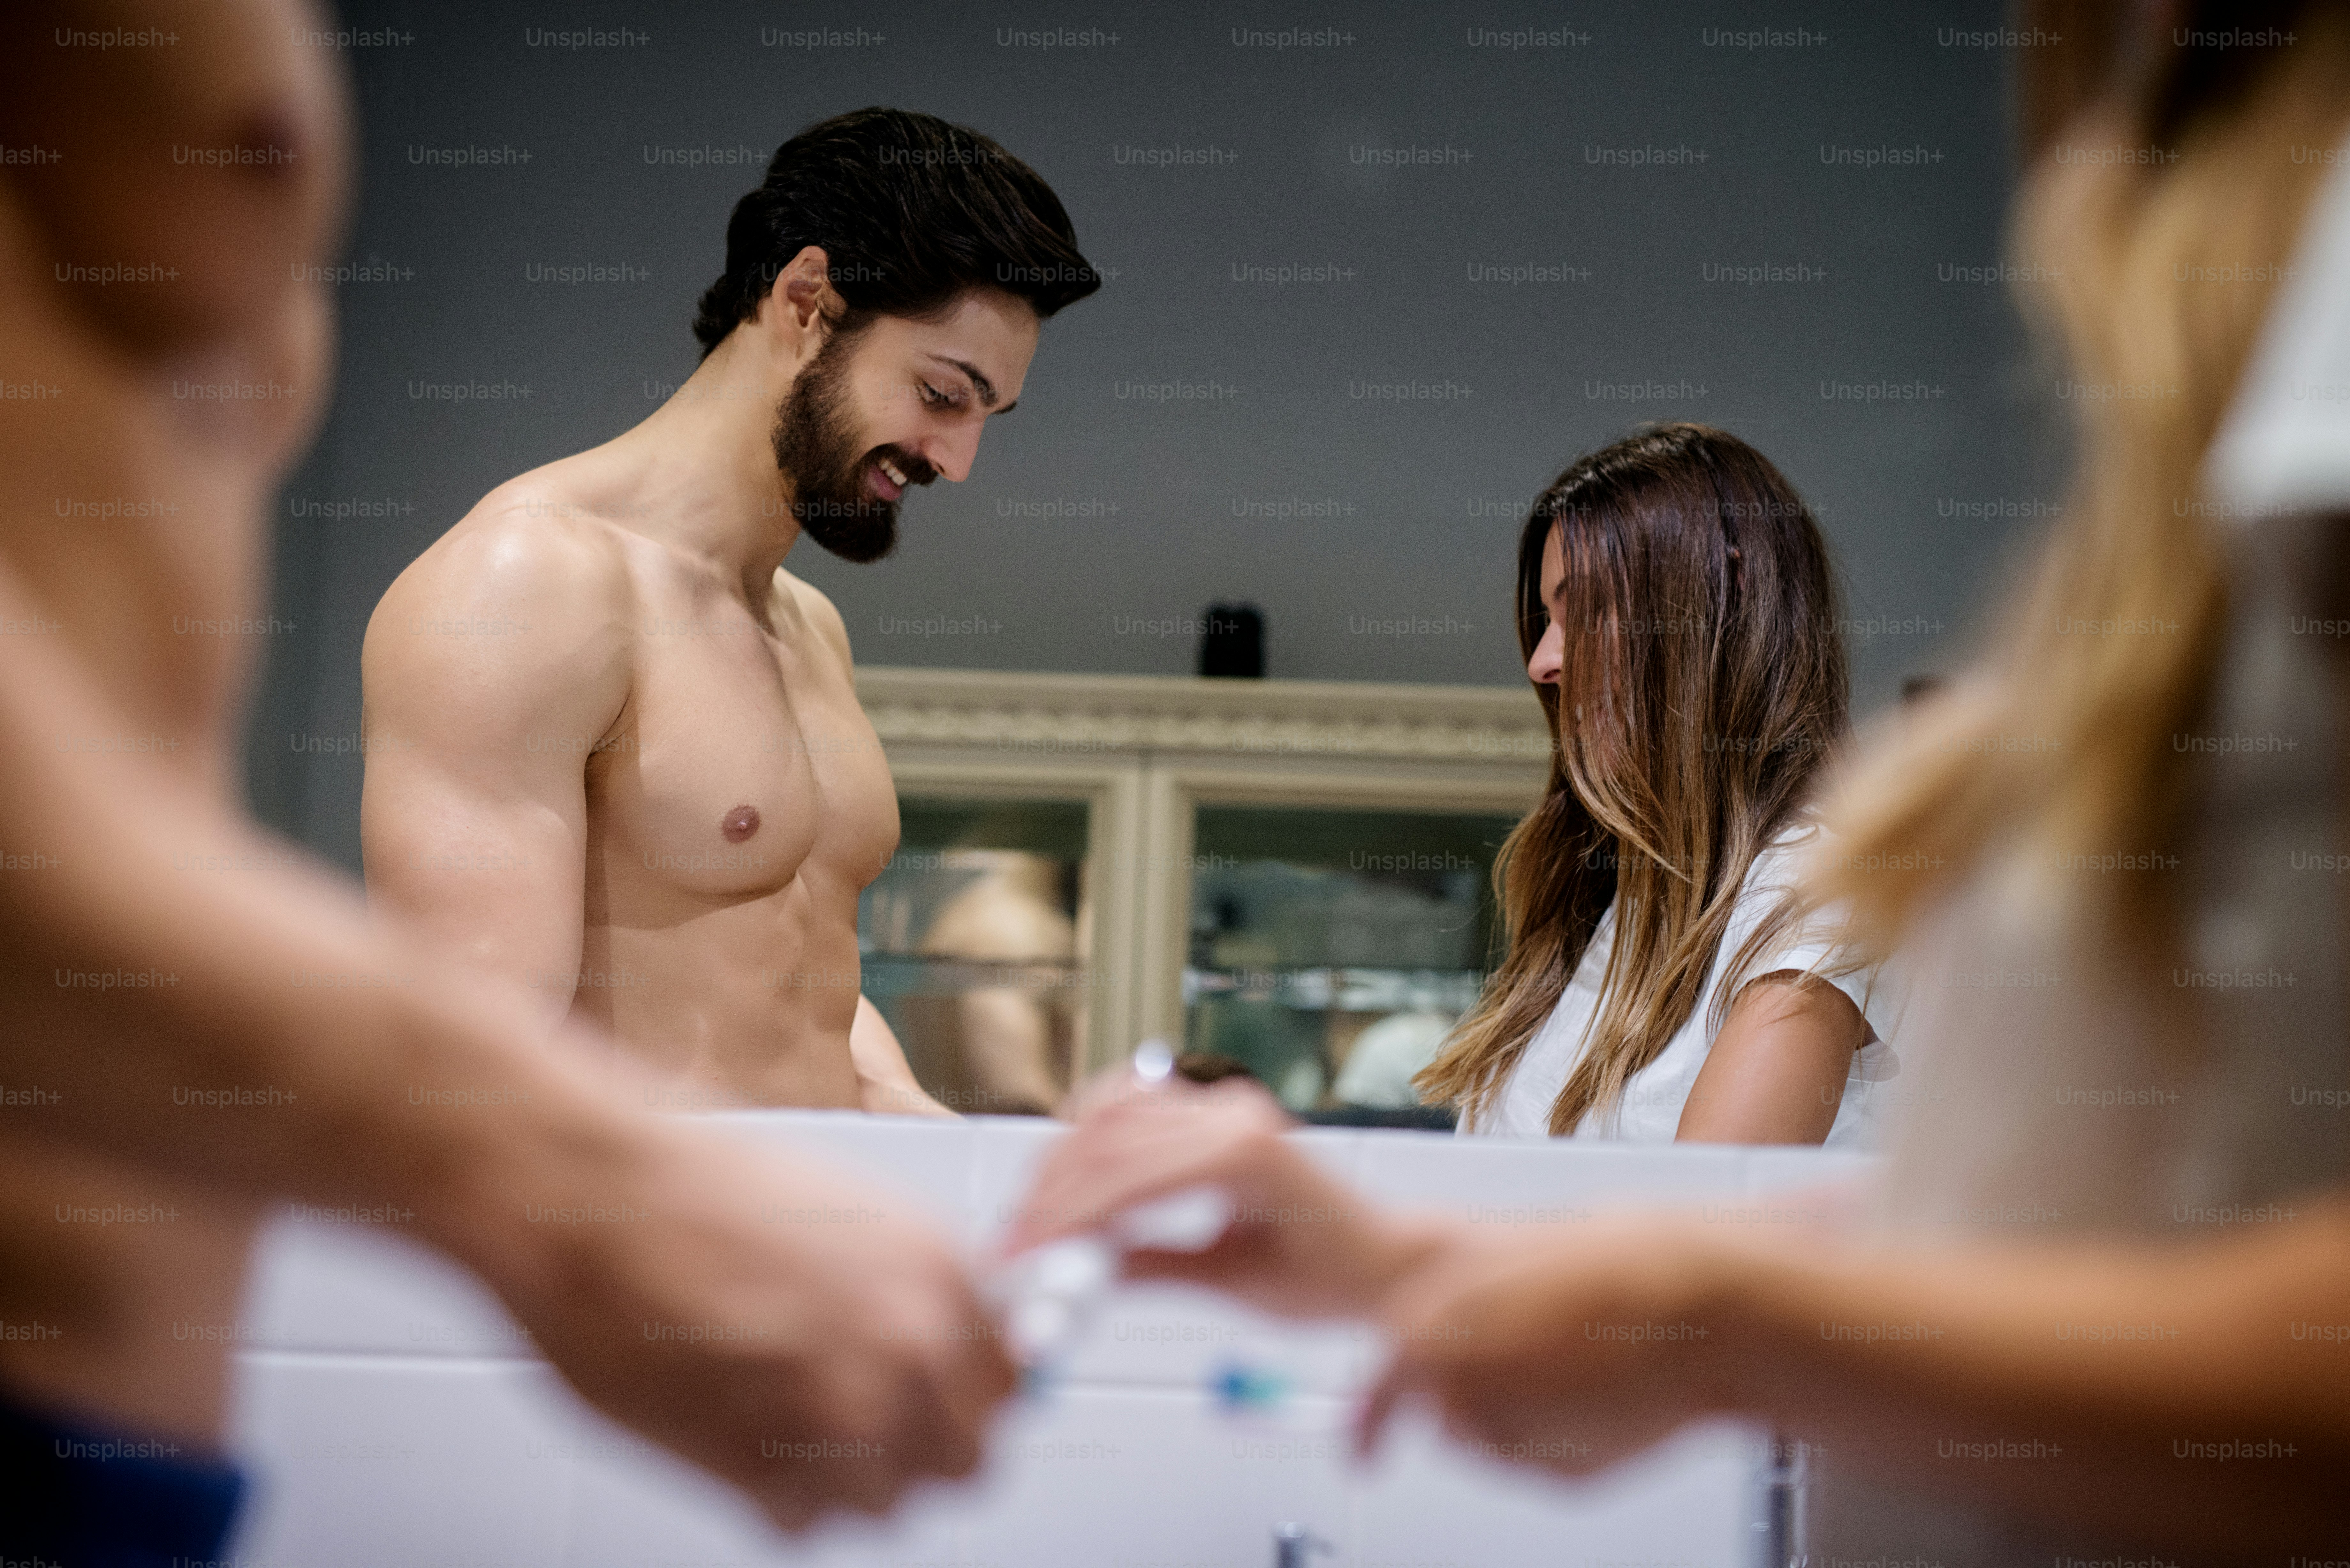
point(2061, 743)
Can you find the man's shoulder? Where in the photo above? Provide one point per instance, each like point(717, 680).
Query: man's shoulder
point(528, 541)
point(522, 616)
point(525, 580)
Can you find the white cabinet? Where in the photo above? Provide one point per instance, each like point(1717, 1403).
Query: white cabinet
point(1262, 869)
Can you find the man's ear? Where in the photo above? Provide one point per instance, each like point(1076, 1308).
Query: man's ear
point(803, 300)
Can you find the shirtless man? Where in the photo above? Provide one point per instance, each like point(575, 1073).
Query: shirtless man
point(613, 749)
point(201, 1021)
point(1012, 1046)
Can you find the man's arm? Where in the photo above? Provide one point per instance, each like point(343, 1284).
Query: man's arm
point(127, 979)
point(492, 669)
point(128, 976)
point(886, 1085)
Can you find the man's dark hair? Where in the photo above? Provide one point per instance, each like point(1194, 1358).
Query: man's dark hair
point(909, 213)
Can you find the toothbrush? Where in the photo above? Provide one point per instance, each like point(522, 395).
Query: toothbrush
point(1046, 1296)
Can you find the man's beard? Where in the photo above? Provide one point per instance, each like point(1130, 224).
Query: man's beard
point(816, 451)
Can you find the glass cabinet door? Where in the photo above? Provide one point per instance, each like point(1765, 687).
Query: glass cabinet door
point(975, 949)
point(1332, 949)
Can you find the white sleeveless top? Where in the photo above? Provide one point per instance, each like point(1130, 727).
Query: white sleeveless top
point(1650, 1111)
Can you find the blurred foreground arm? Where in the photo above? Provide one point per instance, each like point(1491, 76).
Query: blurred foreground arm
point(165, 944)
point(2124, 1371)
point(386, 1082)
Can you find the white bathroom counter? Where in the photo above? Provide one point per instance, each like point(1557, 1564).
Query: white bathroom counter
point(394, 1415)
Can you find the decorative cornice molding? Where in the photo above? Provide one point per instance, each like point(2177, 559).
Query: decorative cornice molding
point(1036, 713)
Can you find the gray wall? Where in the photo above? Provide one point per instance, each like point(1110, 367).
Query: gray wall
point(1411, 505)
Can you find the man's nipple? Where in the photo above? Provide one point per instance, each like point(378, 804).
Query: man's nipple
point(739, 824)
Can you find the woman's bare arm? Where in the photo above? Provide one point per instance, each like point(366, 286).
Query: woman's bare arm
point(2194, 1395)
point(1777, 1069)
point(2191, 1396)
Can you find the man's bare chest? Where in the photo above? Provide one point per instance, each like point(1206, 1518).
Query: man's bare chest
point(740, 762)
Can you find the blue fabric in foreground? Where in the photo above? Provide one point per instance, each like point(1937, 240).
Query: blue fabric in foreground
point(77, 1497)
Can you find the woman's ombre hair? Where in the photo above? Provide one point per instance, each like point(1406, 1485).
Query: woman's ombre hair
point(1703, 688)
point(2117, 250)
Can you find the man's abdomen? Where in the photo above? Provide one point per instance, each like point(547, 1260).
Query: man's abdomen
point(747, 1005)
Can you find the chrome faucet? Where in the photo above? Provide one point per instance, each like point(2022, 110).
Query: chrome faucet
point(1291, 1542)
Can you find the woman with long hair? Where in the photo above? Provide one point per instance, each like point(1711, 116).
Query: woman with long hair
point(1677, 611)
point(2097, 1315)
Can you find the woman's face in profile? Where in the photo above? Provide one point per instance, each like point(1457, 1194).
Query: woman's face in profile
point(1551, 651)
